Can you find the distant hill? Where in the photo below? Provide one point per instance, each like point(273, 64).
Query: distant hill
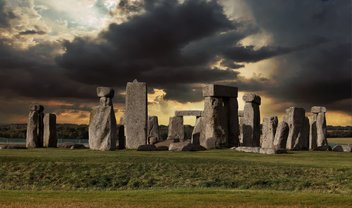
point(74, 131)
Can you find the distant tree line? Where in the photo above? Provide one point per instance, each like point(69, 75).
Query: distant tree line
point(74, 131)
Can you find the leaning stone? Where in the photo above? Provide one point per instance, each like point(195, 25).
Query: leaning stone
point(102, 128)
point(252, 98)
point(178, 146)
point(268, 131)
point(50, 139)
point(136, 114)
point(147, 147)
point(198, 133)
point(281, 135)
point(153, 130)
point(318, 109)
point(105, 92)
point(176, 128)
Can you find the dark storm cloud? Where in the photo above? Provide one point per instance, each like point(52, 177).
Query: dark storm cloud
point(318, 75)
point(170, 46)
point(6, 15)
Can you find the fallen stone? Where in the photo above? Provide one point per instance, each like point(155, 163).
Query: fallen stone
point(193, 147)
point(178, 146)
point(105, 92)
point(162, 148)
point(164, 144)
point(260, 150)
point(342, 148)
point(136, 114)
point(147, 147)
point(247, 149)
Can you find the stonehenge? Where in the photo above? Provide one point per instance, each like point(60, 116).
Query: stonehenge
point(220, 114)
point(219, 125)
point(251, 120)
point(102, 124)
point(317, 134)
point(136, 114)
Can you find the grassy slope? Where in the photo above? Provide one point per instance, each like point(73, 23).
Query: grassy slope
point(202, 177)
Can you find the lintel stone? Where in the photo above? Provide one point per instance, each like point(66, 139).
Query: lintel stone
point(196, 113)
point(318, 109)
point(212, 90)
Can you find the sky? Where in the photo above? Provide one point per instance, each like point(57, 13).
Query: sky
point(291, 53)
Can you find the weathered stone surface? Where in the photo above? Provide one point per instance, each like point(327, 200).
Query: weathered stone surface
point(136, 114)
point(212, 90)
point(196, 113)
point(281, 135)
point(240, 121)
point(102, 128)
point(147, 147)
point(252, 98)
point(50, 139)
point(297, 136)
point(321, 130)
point(251, 124)
point(35, 127)
point(121, 140)
point(153, 130)
point(198, 131)
point(268, 132)
point(240, 113)
point(259, 150)
point(215, 123)
point(318, 109)
point(176, 128)
point(105, 92)
point(178, 146)
point(342, 148)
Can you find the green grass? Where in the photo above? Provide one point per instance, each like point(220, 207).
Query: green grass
point(172, 198)
point(340, 140)
point(85, 178)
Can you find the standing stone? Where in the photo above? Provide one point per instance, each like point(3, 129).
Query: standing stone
point(220, 114)
point(34, 135)
point(251, 120)
point(153, 130)
point(240, 122)
point(136, 114)
point(298, 135)
point(50, 138)
point(281, 135)
point(198, 132)
point(317, 136)
point(176, 129)
point(269, 130)
point(102, 125)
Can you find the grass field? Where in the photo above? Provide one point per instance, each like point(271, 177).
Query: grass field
point(218, 178)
